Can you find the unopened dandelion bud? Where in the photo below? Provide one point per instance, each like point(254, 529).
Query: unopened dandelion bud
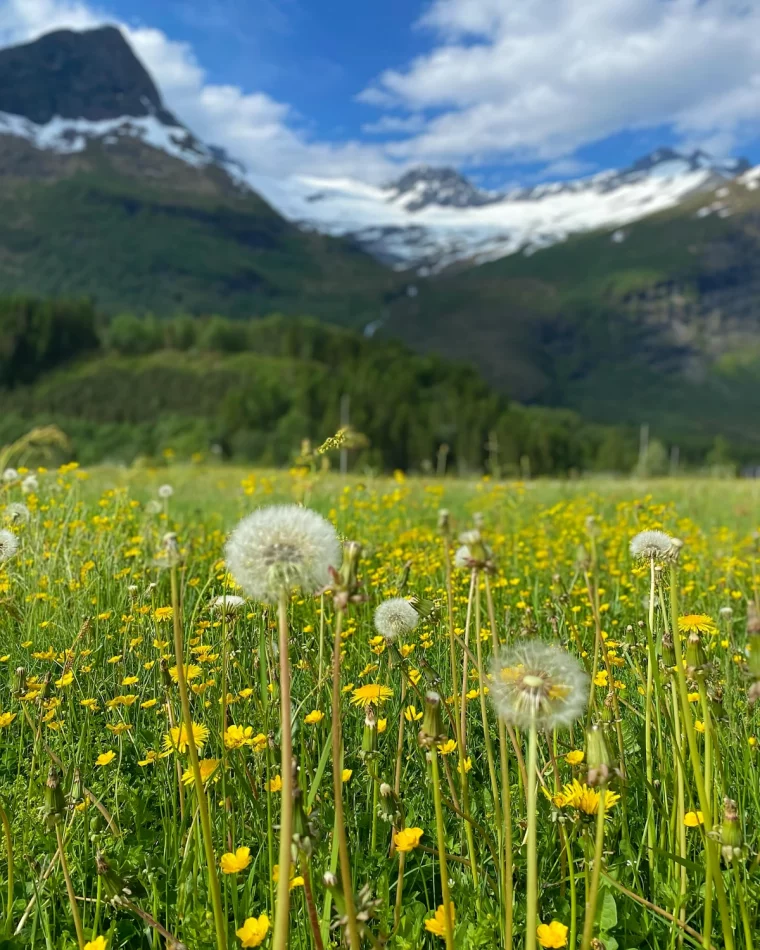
point(165, 674)
point(668, 651)
point(426, 609)
point(598, 756)
point(582, 559)
point(592, 526)
point(76, 786)
point(329, 879)
point(432, 723)
point(369, 736)
point(731, 840)
point(596, 944)
point(387, 807)
point(54, 801)
point(444, 521)
point(19, 681)
point(302, 838)
point(696, 658)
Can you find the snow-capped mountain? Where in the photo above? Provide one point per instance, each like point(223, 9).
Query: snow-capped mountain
point(432, 218)
point(68, 91)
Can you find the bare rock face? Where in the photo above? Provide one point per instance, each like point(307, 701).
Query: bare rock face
point(93, 75)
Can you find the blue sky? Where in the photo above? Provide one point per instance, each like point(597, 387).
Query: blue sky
point(506, 90)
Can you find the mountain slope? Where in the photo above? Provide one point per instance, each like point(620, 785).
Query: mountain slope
point(103, 192)
point(659, 323)
point(431, 219)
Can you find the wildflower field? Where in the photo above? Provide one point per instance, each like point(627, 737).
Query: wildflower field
point(386, 712)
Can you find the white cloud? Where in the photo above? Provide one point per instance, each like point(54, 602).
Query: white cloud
point(253, 127)
point(537, 79)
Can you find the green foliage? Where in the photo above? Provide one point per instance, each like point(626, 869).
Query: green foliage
point(256, 389)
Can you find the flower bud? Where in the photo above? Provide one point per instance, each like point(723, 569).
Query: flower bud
point(432, 724)
point(369, 737)
point(598, 756)
point(54, 803)
point(668, 652)
point(444, 521)
point(730, 832)
point(696, 658)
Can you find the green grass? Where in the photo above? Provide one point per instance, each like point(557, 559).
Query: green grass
point(83, 613)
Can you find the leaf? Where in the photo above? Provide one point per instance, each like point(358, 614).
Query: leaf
point(606, 912)
point(320, 772)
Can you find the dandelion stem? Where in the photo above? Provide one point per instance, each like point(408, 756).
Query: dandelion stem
point(70, 888)
point(591, 897)
point(340, 826)
point(710, 846)
point(282, 906)
point(531, 913)
point(441, 835)
point(9, 856)
point(192, 750)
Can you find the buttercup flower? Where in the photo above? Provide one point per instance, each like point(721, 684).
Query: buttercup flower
point(233, 863)
point(253, 931)
point(407, 839)
point(437, 925)
point(552, 935)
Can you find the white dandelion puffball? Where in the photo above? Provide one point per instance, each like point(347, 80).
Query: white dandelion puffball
point(395, 618)
point(462, 557)
point(16, 513)
point(10, 475)
point(8, 545)
point(538, 684)
point(165, 491)
point(29, 484)
point(653, 544)
point(227, 603)
point(281, 548)
point(153, 507)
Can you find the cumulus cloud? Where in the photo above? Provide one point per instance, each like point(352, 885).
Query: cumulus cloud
point(253, 127)
point(538, 79)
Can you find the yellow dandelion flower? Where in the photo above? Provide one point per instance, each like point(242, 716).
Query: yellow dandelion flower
point(371, 694)
point(176, 739)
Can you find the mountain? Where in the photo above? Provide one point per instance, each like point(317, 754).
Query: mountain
point(630, 296)
point(104, 192)
point(431, 219)
point(657, 322)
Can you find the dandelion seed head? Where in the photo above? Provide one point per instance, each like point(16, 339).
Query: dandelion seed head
point(10, 475)
point(165, 491)
point(29, 484)
point(8, 545)
point(538, 684)
point(281, 548)
point(395, 618)
point(462, 557)
point(654, 544)
point(16, 513)
point(227, 603)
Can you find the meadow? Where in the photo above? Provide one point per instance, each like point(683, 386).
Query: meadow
point(544, 736)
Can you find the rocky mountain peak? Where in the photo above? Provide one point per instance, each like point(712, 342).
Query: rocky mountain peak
point(427, 185)
point(92, 75)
